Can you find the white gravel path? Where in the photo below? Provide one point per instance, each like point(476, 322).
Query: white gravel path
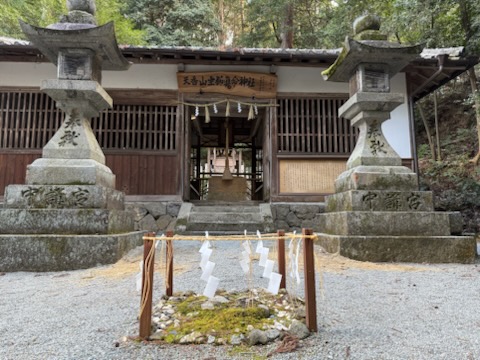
point(383, 312)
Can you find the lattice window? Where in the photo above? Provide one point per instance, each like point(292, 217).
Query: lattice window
point(29, 119)
point(312, 125)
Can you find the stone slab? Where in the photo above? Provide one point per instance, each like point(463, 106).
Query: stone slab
point(392, 178)
point(378, 223)
point(228, 190)
point(370, 101)
point(64, 221)
point(415, 249)
point(380, 200)
point(69, 172)
point(62, 197)
point(86, 95)
point(63, 252)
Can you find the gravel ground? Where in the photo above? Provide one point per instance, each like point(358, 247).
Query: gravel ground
point(365, 311)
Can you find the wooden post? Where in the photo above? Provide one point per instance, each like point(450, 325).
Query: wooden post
point(147, 291)
point(309, 274)
point(169, 264)
point(281, 258)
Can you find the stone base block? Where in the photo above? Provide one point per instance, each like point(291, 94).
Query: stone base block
point(64, 221)
point(380, 223)
point(63, 252)
point(62, 197)
point(69, 172)
point(416, 249)
point(375, 200)
point(227, 190)
point(391, 178)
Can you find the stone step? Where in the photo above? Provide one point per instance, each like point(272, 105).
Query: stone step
point(237, 228)
point(224, 218)
point(226, 209)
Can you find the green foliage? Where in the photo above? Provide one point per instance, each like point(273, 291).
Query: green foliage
point(45, 12)
point(454, 180)
point(180, 23)
point(35, 12)
point(112, 10)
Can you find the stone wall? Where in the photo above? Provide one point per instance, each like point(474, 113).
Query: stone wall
point(161, 216)
point(295, 216)
point(154, 216)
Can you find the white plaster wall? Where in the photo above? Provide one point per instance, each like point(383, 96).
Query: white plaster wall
point(163, 76)
point(397, 129)
point(26, 74)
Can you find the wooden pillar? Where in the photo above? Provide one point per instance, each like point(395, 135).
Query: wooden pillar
point(309, 274)
point(281, 258)
point(169, 264)
point(147, 286)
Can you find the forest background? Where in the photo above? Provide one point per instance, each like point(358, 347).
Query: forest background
point(447, 121)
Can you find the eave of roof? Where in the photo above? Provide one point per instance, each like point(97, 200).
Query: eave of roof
point(419, 71)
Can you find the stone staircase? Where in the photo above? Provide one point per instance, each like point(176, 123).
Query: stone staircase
point(221, 218)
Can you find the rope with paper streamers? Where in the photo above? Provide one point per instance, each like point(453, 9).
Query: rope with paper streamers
point(251, 237)
point(252, 108)
point(169, 256)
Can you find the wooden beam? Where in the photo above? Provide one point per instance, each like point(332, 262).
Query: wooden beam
point(309, 275)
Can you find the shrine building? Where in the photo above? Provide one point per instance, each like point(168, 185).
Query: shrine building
point(184, 117)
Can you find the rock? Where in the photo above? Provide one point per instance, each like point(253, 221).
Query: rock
point(221, 341)
point(299, 329)
point(191, 338)
point(220, 299)
point(138, 213)
point(272, 334)
point(279, 326)
point(156, 209)
point(236, 339)
point(266, 310)
point(282, 224)
point(158, 335)
point(163, 221)
point(250, 327)
point(282, 211)
point(257, 337)
point(207, 305)
point(173, 209)
point(304, 210)
point(282, 314)
point(292, 219)
point(164, 317)
point(210, 339)
point(299, 313)
point(148, 223)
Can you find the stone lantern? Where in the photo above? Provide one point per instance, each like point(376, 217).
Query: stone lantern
point(71, 215)
point(377, 212)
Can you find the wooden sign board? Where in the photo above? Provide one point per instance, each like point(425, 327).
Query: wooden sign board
point(258, 85)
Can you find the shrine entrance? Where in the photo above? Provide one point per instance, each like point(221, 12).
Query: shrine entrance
point(226, 156)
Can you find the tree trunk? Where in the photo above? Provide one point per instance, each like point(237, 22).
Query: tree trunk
point(287, 36)
point(437, 132)
point(476, 96)
point(427, 130)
